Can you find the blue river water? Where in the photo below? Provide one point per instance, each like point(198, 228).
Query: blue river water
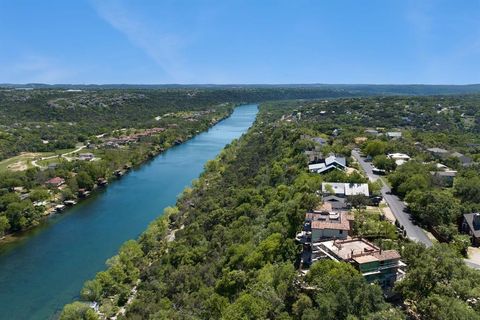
point(46, 268)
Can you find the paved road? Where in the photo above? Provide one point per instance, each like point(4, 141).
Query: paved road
point(397, 206)
point(398, 209)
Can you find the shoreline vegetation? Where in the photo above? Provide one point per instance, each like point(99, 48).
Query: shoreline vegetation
point(31, 196)
point(234, 255)
point(115, 175)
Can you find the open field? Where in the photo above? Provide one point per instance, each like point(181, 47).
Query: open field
point(24, 160)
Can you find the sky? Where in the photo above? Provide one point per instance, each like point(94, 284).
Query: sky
point(240, 41)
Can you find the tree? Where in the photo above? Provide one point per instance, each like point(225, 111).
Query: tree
point(4, 225)
point(78, 311)
point(382, 162)
point(446, 308)
point(84, 180)
point(303, 303)
point(468, 188)
point(246, 307)
point(375, 147)
point(39, 194)
point(91, 291)
point(434, 207)
point(358, 201)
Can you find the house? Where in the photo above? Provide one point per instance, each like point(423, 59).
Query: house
point(400, 158)
point(52, 166)
point(371, 132)
point(438, 152)
point(331, 162)
point(394, 134)
point(337, 193)
point(376, 265)
point(471, 226)
point(328, 224)
point(464, 160)
point(317, 140)
point(55, 182)
point(443, 176)
point(86, 156)
point(313, 156)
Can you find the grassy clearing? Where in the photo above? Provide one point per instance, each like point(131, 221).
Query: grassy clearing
point(18, 163)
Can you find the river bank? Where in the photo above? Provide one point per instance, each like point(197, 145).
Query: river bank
point(61, 199)
point(46, 269)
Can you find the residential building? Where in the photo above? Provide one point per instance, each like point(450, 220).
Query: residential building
point(317, 140)
point(324, 223)
point(471, 226)
point(55, 182)
point(443, 177)
point(337, 193)
point(464, 160)
point(376, 265)
point(371, 132)
point(327, 164)
point(313, 156)
point(400, 158)
point(439, 152)
point(394, 134)
point(86, 156)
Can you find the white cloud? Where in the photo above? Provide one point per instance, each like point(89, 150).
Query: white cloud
point(161, 46)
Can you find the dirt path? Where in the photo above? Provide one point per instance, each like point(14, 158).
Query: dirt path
point(34, 162)
point(169, 237)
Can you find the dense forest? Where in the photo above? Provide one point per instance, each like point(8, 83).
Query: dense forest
point(227, 250)
point(26, 196)
point(29, 118)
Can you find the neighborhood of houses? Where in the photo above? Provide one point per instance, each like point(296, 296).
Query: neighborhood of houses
point(328, 234)
point(327, 231)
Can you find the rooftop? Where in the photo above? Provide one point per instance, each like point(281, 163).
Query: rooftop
point(359, 250)
point(347, 189)
point(437, 150)
point(329, 220)
point(473, 221)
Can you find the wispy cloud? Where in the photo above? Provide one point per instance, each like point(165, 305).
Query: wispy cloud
point(163, 47)
point(36, 68)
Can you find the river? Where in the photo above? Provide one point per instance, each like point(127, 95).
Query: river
point(46, 269)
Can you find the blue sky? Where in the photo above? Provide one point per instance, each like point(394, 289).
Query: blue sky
point(240, 41)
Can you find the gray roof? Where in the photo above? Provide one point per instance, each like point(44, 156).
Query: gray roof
point(437, 150)
point(450, 173)
point(332, 158)
point(474, 227)
point(319, 140)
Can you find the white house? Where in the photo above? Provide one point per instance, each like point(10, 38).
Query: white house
point(336, 193)
point(400, 158)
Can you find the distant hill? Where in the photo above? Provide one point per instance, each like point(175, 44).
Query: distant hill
point(347, 89)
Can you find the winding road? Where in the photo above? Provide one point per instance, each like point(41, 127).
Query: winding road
point(35, 164)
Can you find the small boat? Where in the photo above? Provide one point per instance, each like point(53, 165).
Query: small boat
point(119, 173)
point(59, 207)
